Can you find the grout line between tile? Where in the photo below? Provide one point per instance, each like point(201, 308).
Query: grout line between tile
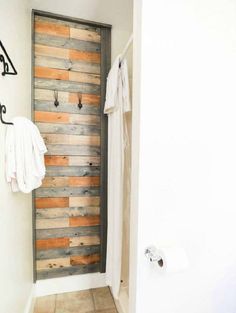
point(113, 298)
point(91, 293)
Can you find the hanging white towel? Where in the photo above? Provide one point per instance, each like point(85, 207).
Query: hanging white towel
point(25, 150)
point(116, 105)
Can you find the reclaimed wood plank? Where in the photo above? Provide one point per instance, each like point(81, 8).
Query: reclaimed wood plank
point(69, 43)
point(84, 78)
point(50, 182)
point(84, 241)
point(92, 57)
point(84, 201)
point(84, 221)
point(55, 263)
point(84, 119)
point(59, 253)
point(84, 211)
point(73, 150)
point(53, 223)
point(55, 192)
point(85, 35)
point(52, 213)
point(87, 259)
point(69, 86)
point(84, 181)
point(56, 160)
point(51, 117)
point(67, 232)
point(69, 129)
point(68, 271)
point(51, 202)
point(52, 29)
point(41, 50)
point(71, 171)
point(52, 243)
point(84, 160)
point(86, 98)
point(71, 65)
point(59, 139)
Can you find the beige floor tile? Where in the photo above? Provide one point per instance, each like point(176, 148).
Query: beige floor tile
point(45, 304)
point(103, 299)
point(75, 302)
point(107, 311)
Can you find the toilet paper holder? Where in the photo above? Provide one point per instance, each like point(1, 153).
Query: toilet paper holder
point(152, 255)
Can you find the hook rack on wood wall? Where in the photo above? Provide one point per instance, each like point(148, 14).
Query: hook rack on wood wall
point(5, 59)
point(3, 110)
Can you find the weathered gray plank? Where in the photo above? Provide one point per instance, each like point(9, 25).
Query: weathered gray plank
point(67, 232)
point(48, 106)
point(71, 171)
point(58, 253)
point(73, 150)
point(76, 66)
point(68, 129)
point(66, 212)
point(67, 23)
point(69, 43)
point(67, 192)
point(68, 271)
point(62, 85)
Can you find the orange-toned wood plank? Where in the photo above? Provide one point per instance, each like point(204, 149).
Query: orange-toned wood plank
point(52, 29)
point(62, 139)
point(93, 57)
point(87, 98)
point(84, 181)
point(84, 259)
point(45, 72)
point(51, 117)
point(51, 52)
point(41, 203)
point(52, 243)
point(55, 182)
point(84, 201)
point(56, 160)
point(85, 221)
point(83, 34)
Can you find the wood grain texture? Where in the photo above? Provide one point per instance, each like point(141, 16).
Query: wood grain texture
point(52, 29)
point(48, 106)
point(51, 202)
point(68, 271)
point(50, 182)
point(67, 232)
point(84, 35)
point(55, 192)
point(84, 211)
point(84, 181)
point(68, 129)
point(73, 150)
point(55, 263)
point(71, 139)
point(41, 50)
point(84, 201)
point(51, 117)
point(84, 241)
point(52, 243)
point(71, 65)
point(52, 213)
point(84, 161)
point(71, 171)
point(88, 259)
point(84, 221)
point(56, 160)
point(53, 223)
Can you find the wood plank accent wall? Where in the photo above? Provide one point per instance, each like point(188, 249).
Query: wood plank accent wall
point(67, 58)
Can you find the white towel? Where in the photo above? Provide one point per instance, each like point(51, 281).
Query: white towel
point(25, 150)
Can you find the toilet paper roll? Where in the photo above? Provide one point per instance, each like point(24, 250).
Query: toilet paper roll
point(172, 259)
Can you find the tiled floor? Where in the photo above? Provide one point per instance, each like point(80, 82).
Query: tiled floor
point(88, 301)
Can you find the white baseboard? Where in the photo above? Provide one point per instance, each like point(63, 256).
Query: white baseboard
point(29, 308)
point(69, 284)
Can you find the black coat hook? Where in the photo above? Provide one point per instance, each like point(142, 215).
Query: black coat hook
point(3, 110)
point(5, 59)
point(80, 105)
point(56, 102)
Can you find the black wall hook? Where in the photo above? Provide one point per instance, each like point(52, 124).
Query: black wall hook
point(80, 105)
point(3, 110)
point(5, 59)
point(56, 102)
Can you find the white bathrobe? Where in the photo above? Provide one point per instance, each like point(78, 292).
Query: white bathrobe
point(116, 105)
point(25, 150)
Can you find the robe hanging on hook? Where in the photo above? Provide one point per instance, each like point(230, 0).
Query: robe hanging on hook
point(8, 67)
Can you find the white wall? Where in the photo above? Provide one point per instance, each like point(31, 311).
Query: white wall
point(187, 178)
point(15, 209)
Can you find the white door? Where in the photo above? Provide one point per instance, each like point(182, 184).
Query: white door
point(187, 166)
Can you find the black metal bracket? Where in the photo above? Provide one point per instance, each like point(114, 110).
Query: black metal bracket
point(3, 110)
point(5, 59)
